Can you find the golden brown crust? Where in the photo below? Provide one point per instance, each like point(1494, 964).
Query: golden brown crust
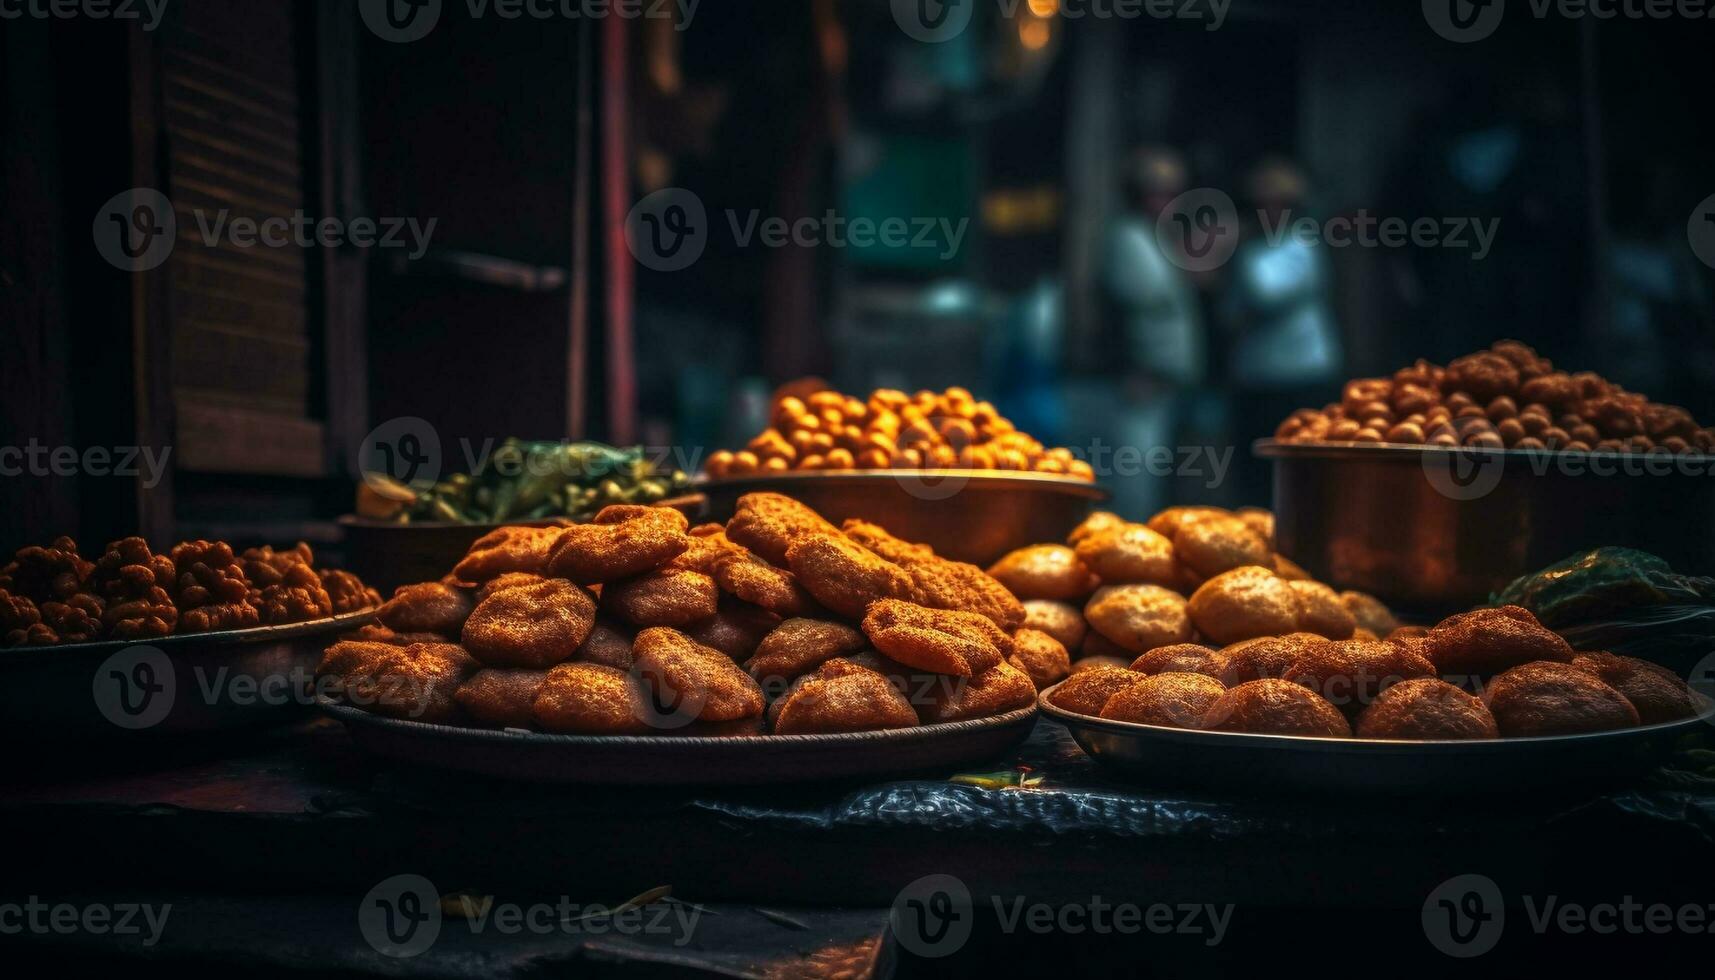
point(770, 524)
point(1176, 700)
point(1551, 698)
point(427, 607)
point(1369, 613)
point(1139, 617)
point(1087, 691)
point(734, 631)
point(1219, 544)
point(1130, 553)
point(1486, 642)
point(591, 699)
point(1266, 656)
point(1426, 708)
point(939, 640)
point(608, 644)
point(1042, 658)
point(1653, 690)
point(1062, 621)
point(623, 541)
point(1101, 520)
point(844, 700)
point(1350, 674)
point(692, 680)
point(1243, 603)
point(798, 646)
point(1320, 611)
point(502, 697)
point(990, 692)
point(507, 549)
point(530, 626)
point(1181, 658)
point(1275, 707)
point(1044, 571)
point(846, 577)
point(663, 597)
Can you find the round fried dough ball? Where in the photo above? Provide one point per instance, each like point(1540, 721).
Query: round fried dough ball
point(1043, 658)
point(1181, 658)
point(1654, 690)
point(1130, 553)
point(1320, 611)
point(1217, 544)
point(1242, 603)
point(1044, 571)
point(1369, 613)
point(503, 697)
point(1168, 522)
point(995, 691)
point(1175, 700)
point(663, 597)
point(1486, 642)
point(1351, 673)
point(590, 699)
point(427, 607)
point(855, 700)
point(1086, 691)
point(689, 680)
point(1101, 520)
point(1275, 707)
point(1266, 656)
point(530, 626)
point(1426, 708)
point(1139, 617)
point(798, 646)
point(1550, 698)
point(1062, 621)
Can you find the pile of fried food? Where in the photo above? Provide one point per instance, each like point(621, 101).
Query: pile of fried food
point(51, 595)
point(892, 430)
point(778, 622)
point(1258, 647)
point(1507, 397)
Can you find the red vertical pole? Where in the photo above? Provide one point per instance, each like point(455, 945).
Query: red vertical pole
point(615, 182)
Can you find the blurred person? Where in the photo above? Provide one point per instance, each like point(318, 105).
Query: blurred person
point(1275, 306)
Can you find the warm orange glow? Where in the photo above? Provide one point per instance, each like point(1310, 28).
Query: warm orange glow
point(1033, 34)
point(1044, 8)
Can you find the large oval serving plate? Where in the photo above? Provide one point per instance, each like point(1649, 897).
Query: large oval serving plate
point(1276, 763)
point(666, 760)
point(189, 682)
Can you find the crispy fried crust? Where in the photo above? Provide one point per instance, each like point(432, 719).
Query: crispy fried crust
point(693, 680)
point(1320, 611)
point(1181, 658)
point(623, 541)
point(1042, 658)
point(1139, 617)
point(1063, 621)
point(427, 607)
point(770, 524)
point(846, 577)
point(1219, 544)
point(1176, 700)
point(1550, 698)
point(530, 626)
point(1486, 642)
point(507, 549)
point(1266, 656)
point(1244, 603)
point(847, 698)
point(1654, 690)
point(663, 597)
point(1045, 571)
point(1129, 553)
point(939, 640)
point(503, 697)
point(590, 699)
point(1275, 707)
point(990, 692)
point(1087, 691)
point(798, 646)
point(1352, 673)
point(1426, 708)
point(940, 583)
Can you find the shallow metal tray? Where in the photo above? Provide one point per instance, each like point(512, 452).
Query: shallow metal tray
point(665, 760)
point(1287, 763)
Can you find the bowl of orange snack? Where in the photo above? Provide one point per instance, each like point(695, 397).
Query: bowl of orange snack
point(944, 469)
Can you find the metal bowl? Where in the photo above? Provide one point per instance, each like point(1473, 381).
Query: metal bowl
point(966, 515)
point(387, 555)
point(1234, 761)
point(1435, 530)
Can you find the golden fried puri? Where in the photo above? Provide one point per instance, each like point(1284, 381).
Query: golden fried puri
point(1044, 571)
point(507, 549)
point(1275, 707)
point(1168, 522)
point(1369, 613)
point(1063, 621)
point(798, 646)
point(418, 682)
point(1181, 658)
point(938, 582)
point(1320, 611)
point(994, 691)
point(1242, 603)
point(502, 697)
point(591, 699)
point(846, 577)
point(1550, 698)
point(1139, 617)
point(1657, 693)
point(663, 597)
point(427, 607)
point(1130, 553)
point(770, 524)
point(1486, 642)
point(847, 698)
point(530, 626)
point(939, 640)
point(623, 541)
point(735, 630)
point(1042, 658)
point(1349, 674)
point(689, 680)
point(608, 644)
point(1097, 522)
point(1266, 656)
point(506, 580)
point(1172, 699)
point(882, 541)
point(1426, 708)
point(741, 574)
point(1219, 544)
point(1087, 691)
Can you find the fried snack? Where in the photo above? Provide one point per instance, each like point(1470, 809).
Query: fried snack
point(1551, 698)
point(846, 577)
point(1139, 617)
point(503, 697)
point(942, 641)
point(1657, 693)
point(1062, 621)
point(427, 607)
point(132, 582)
point(1259, 520)
point(1168, 522)
point(1088, 690)
point(505, 580)
point(1352, 673)
point(514, 548)
point(1130, 553)
point(76, 620)
point(1219, 543)
point(624, 541)
point(1097, 522)
point(284, 586)
point(770, 524)
point(939, 582)
point(591, 699)
point(848, 698)
point(608, 644)
point(1288, 569)
point(530, 626)
point(1267, 656)
point(21, 622)
point(1042, 658)
point(741, 574)
point(419, 682)
point(1320, 611)
point(1369, 613)
point(1181, 658)
point(51, 574)
point(1486, 642)
point(798, 646)
point(213, 591)
point(990, 692)
point(665, 597)
point(1242, 603)
point(736, 630)
point(380, 633)
point(1426, 708)
point(1175, 700)
point(692, 680)
point(346, 591)
point(1275, 707)
point(1045, 571)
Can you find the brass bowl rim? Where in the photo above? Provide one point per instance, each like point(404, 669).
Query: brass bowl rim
point(983, 479)
point(358, 520)
point(1275, 449)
